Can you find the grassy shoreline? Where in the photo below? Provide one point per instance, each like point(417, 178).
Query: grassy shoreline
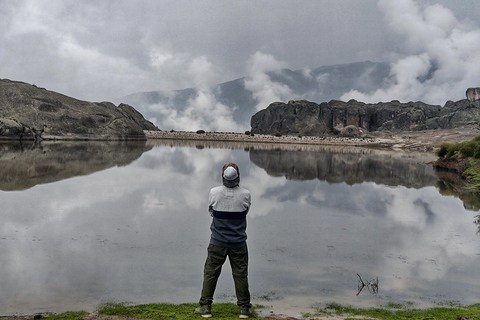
point(221, 311)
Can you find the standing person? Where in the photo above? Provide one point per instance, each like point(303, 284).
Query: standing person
point(228, 204)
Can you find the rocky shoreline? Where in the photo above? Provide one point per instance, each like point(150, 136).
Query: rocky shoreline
point(420, 141)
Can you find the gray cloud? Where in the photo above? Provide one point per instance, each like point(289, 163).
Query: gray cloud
point(103, 50)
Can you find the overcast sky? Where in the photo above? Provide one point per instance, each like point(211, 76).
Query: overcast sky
point(102, 50)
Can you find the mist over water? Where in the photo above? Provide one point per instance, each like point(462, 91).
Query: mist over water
point(136, 229)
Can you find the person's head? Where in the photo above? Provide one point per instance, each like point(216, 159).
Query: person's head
point(230, 175)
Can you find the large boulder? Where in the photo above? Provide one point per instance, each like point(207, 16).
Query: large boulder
point(312, 119)
point(29, 112)
point(473, 94)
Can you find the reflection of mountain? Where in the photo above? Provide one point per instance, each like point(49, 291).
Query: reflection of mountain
point(22, 168)
point(347, 165)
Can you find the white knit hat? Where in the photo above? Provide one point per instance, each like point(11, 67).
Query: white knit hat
point(230, 174)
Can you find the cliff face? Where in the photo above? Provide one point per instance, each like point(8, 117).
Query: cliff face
point(29, 112)
point(312, 119)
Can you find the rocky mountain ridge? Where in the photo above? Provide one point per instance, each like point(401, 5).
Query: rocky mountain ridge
point(30, 112)
point(355, 118)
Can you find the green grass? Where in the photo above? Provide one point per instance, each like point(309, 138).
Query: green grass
point(165, 311)
point(68, 315)
point(472, 173)
point(391, 311)
point(403, 312)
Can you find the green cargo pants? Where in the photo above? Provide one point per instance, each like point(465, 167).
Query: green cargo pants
point(238, 258)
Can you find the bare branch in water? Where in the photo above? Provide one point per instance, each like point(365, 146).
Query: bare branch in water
point(371, 285)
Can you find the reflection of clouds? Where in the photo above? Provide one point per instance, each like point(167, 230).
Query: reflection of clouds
point(185, 175)
point(257, 182)
point(153, 200)
point(317, 196)
point(403, 210)
point(423, 229)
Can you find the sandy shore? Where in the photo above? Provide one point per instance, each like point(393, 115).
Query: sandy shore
point(423, 141)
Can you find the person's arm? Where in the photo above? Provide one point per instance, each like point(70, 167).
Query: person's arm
point(210, 203)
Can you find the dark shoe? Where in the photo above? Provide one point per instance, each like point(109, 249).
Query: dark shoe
point(204, 311)
point(245, 313)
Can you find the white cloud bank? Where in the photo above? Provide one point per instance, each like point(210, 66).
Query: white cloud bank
point(201, 112)
point(204, 111)
point(441, 59)
point(264, 90)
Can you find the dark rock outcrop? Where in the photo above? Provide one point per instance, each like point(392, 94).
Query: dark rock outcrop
point(473, 94)
point(130, 113)
point(29, 112)
point(312, 119)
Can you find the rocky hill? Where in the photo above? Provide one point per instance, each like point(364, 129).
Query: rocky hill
point(29, 112)
point(354, 118)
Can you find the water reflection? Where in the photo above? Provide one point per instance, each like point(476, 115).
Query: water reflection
point(139, 232)
point(348, 165)
point(453, 184)
point(23, 168)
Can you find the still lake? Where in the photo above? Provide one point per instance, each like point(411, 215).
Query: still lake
point(89, 223)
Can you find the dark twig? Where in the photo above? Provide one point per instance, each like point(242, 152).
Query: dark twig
point(371, 285)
